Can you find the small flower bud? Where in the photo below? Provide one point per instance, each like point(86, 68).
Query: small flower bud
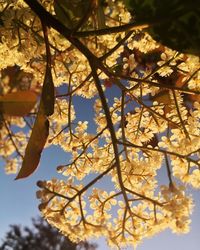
point(42, 206)
point(41, 184)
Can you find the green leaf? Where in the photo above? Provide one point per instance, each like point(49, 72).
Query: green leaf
point(174, 23)
point(100, 15)
point(70, 12)
point(18, 103)
point(35, 145)
point(63, 14)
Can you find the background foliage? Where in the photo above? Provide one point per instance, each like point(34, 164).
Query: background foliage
point(40, 237)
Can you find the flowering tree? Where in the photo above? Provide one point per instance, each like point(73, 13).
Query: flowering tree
point(55, 51)
point(40, 236)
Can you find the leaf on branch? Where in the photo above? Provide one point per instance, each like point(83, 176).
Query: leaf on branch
point(163, 97)
point(108, 82)
point(174, 23)
point(100, 15)
point(18, 103)
point(48, 97)
point(194, 98)
point(35, 145)
point(70, 12)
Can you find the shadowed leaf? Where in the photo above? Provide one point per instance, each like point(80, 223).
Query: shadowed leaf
point(19, 103)
point(35, 145)
point(40, 129)
point(70, 12)
point(48, 93)
point(176, 23)
point(163, 97)
point(100, 15)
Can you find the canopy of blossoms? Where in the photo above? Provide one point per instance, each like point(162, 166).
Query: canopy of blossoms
point(152, 124)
